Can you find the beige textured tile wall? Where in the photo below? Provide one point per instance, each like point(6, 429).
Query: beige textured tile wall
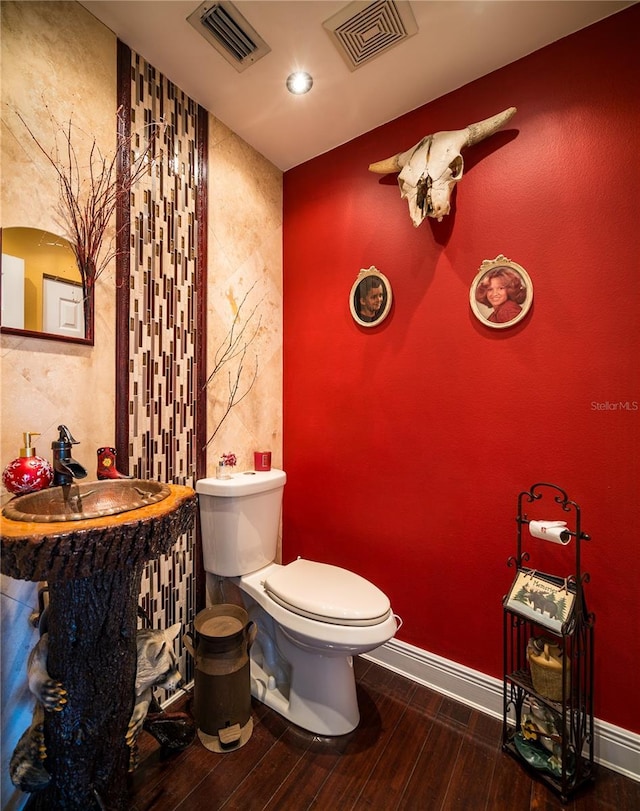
point(58, 56)
point(245, 259)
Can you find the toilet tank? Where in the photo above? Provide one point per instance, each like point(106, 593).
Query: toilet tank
point(239, 520)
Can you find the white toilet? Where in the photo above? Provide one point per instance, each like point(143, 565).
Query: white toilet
point(312, 618)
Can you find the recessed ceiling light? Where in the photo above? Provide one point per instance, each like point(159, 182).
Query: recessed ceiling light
point(299, 82)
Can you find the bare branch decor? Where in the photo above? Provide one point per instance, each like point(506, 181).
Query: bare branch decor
point(234, 348)
point(91, 189)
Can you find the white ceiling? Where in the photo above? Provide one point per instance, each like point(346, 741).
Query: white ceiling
point(457, 41)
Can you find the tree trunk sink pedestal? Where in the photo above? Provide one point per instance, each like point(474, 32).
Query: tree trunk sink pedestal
point(93, 570)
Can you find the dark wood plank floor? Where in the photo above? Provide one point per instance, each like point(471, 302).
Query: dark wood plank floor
point(414, 750)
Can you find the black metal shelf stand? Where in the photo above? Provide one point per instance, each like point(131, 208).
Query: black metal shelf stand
point(563, 759)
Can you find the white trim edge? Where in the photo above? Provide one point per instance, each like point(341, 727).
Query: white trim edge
point(615, 748)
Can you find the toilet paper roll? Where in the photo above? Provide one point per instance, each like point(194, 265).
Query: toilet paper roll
point(554, 531)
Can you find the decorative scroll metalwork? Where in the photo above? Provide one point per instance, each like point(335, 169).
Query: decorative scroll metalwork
point(559, 749)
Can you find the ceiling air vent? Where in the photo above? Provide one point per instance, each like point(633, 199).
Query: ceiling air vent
point(222, 25)
point(362, 31)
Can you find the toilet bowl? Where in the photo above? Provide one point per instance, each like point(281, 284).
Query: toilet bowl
point(312, 617)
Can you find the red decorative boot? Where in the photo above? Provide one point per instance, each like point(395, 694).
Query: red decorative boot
point(107, 465)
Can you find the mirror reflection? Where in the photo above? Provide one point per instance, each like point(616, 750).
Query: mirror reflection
point(41, 286)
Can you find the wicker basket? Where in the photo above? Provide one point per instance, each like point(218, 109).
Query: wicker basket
point(546, 663)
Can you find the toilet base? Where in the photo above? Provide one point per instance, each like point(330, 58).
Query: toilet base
point(320, 695)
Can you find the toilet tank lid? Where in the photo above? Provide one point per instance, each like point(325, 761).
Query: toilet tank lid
point(327, 592)
point(242, 484)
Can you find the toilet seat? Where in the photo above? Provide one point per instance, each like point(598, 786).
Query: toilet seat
point(327, 593)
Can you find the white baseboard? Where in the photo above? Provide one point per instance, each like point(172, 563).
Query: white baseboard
point(614, 747)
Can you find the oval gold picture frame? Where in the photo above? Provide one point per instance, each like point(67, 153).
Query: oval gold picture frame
point(501, 293)
point(370, 297)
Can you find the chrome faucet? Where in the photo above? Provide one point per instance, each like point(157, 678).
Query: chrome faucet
point(65, 468)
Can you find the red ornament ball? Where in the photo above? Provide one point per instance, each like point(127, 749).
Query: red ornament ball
point(27, 474)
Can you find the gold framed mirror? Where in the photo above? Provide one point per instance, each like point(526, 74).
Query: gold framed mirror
point(42, 294)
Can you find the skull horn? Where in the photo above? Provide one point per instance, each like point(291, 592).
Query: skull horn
point(396, 163)
point(474, 133)
point(390, 165)
point(483, 129)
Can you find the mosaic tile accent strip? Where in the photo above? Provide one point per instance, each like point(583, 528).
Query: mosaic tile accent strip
point(162, 329)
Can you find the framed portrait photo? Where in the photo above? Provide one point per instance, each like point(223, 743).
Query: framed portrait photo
point(370, 297)
point(501, 293)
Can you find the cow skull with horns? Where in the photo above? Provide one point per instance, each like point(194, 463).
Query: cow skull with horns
point(430, 169)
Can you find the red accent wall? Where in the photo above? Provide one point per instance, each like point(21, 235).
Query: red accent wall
point(406, 445)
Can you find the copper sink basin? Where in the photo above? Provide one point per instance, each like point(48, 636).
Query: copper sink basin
point(78, 502)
